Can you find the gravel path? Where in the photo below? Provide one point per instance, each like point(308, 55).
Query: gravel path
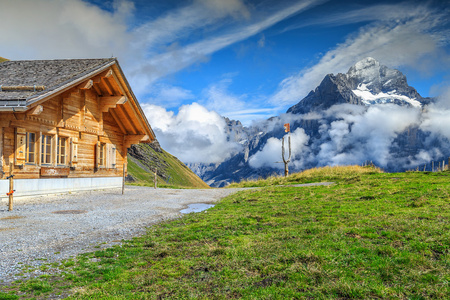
point(51, 228)
point(45, 229)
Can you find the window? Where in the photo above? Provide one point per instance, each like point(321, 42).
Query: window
point(105, 156)
point(61, 153)
point(30, 156)
point(46, 149)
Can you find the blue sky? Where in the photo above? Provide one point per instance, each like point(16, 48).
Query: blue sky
point(243, 59)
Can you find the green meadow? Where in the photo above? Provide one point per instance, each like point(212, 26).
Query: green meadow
point(370, 235)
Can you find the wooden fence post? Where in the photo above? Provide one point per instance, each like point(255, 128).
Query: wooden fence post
point(286, 161)
point(123, 179)
point(11, 186)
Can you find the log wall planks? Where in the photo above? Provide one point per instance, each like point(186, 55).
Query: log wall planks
point(75, 115)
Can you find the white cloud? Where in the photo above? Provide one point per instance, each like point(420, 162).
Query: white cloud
point(244, 108)
point(271, 156)
point(179, 57)
point(181, 22)
point(217, 97)
point(367, 135)
point(49, 29)
point(193, 135)
point(262, 41)
point(403, 42)
point(378, 12)
point(437, 121)
point(169, 96)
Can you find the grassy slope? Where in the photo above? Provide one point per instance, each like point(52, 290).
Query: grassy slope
point(3, 59)
point(371, 235)
point(171, 171)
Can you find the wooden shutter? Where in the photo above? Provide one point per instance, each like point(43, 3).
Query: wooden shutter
point(73, 151)
point(110, 155)
point(21, 141)
point(113, 156)
point(97, 154)
point(54, 150)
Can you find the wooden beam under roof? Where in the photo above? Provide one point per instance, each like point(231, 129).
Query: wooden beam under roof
point(125, 117)
point(37, 110)
point(107, 86)
point(87, 84)
point(130, 103)
point(97, 89)
point(131, 139)
point(111, 102)
point(118, 121)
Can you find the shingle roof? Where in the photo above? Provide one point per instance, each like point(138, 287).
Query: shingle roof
point(53, 74)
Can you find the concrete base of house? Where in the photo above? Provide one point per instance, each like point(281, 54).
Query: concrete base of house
point(39, 187)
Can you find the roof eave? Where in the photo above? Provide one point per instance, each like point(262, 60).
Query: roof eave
point(149, 129)
point(13, 108)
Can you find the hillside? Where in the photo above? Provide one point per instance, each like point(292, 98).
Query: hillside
point(144, 159)
point(3, 59)
point(371, 235)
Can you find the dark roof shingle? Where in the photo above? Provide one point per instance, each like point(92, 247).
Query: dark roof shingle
point(49, 73)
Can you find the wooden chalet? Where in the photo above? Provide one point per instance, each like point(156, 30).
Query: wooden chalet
point(66, 124)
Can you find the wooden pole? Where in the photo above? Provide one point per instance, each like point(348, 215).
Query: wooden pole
point(156, 179)
point(286, 161)
point(123, 179)
point(11, 186)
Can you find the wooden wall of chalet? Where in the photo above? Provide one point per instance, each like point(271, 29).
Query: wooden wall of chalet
point(75, 114)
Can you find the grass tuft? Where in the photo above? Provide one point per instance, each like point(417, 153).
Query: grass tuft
point(339, 173)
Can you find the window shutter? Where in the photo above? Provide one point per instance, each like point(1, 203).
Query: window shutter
point(39, 149)
point(97, 155)
point(20, 146)
point(73, 151)
point(54, 150)
point(111, 156)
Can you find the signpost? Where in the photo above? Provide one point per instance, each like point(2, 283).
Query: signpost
point(11, 186)
point(287, 128)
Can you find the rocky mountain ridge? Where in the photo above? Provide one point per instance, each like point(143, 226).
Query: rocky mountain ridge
point(366, 83)
point(324, 119)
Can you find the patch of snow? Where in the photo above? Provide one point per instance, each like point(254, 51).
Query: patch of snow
point(381, 98)
point(362, 87)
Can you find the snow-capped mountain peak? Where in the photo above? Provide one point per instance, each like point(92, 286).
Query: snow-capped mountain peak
point(374, 83)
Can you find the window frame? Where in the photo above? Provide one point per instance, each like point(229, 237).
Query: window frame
point(59, 154)
point(44, 154)
point(102, 155)
point(35, 151)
